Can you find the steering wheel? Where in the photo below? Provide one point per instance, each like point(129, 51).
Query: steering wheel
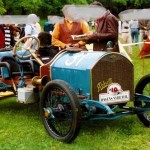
point(25, 46)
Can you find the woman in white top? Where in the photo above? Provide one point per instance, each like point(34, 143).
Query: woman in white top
point(33, 27)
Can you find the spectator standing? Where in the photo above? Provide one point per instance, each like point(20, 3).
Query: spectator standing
point(62, 32)
point(10, 33)
point(106, 30)
point(134, 26)
point(32, 27)
point(22, 30)
point(48, 27)
point(126, 35)
point(144, 29)
point(2, 37)
point(145, 50)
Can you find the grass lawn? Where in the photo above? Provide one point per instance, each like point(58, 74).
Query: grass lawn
point(21, 127)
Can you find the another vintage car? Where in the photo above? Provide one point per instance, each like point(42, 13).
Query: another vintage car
point(73, 85)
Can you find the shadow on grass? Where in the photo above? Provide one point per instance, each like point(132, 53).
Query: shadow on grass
point(122, 126)
point(12, 106)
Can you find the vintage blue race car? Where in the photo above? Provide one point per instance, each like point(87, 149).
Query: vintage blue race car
point(74, 85)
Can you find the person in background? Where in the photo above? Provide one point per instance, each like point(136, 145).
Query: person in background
point(106, 30)
point(144, 29)
point(125, 34)
point(62, 32)
point(48, 27)
point(32, 27)
point(134, 26)
point(2, 37)
point(10, 33)
point(22, 30)
point(145, 50)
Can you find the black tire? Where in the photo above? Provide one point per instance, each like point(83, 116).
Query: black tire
point(143, 87)
point(60, 99)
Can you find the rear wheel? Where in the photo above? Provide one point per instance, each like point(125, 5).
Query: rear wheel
point(60, 111)
point(143, 87)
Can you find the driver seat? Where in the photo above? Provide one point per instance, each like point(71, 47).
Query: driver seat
point(46, 51)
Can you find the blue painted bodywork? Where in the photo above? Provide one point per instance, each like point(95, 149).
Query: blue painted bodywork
point(4, 70)
point(8, 53)
point(74, 68)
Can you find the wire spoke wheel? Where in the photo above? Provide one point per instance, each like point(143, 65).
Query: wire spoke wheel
point(143, 87)
point(60, 111)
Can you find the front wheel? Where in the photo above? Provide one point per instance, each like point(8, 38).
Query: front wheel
point(143, 87)
point(60, 111)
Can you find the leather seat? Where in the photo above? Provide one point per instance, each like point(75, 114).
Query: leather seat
point(46, 51)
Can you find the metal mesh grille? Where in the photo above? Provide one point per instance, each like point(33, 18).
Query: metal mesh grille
point(112, 68)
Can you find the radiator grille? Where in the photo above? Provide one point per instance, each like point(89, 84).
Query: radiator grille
point(112, 68)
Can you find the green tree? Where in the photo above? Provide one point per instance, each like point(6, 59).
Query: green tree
point(22, 6)
point(53, 7)
point(2, 9)
point(123, 2)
